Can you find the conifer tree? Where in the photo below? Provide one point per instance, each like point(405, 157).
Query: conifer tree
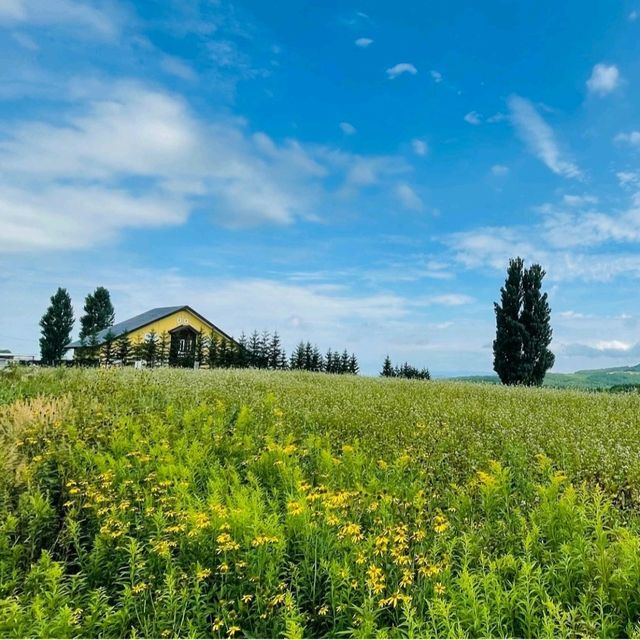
point(523, 327)
point(254, 349)
point(123, 349)
point(328, 361)
point(108, 349)
point(98, 313)
point(508, 347)
point(344, 362)
point(200, 348)
point(316, 359)
point(308, 355)
point(164, 342)
point(274, 352)
point(297, 360)
point(149, 349)
point(353, 364)
point(536, 318)
point(213, 358)
point(223, 353)
point(242, 352)
point(387, 368)
point(56, 325)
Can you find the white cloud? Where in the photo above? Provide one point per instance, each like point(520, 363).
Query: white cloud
point(420, 147)
point(451, 299)
point(632, 138)
point(604, 79)
point(347, 128)
point(98, 157)
point(399, 69)
point(67, 13)
point(579, 201)
point(539, 137)
point(363, 43)
point(408, 197)
point(633, 16)
point(603, 348)
point(628, 178)
point(496, 117)
point(177, 67)
point(436, 75)
point(473, 117)
point(499, 170)
point(13, 10)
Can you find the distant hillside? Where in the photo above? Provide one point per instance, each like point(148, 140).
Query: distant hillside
point(584, 379)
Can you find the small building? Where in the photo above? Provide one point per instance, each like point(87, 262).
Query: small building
point(6, 358)
point(181, 325)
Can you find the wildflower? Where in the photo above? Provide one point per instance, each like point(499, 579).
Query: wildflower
point(203, 573)
point(277, 599)
point(217, 624)
point(351, 530)
point(323, 610)
point(140, 587)
point(294, 508)
point(246, 598)
point(407, 578)
point(224, 568)
point(439, 588)
point(375, 579)
point(226, 543)
point(231, 631)
point(440, 524)
point(486, 479)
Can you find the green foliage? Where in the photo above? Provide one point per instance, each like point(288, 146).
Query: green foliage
point(98, 313)
point(167, 503)
point(56, 325)
point(523, 327)
point(407, 371)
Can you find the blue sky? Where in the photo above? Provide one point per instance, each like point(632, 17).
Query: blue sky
point(356, 174)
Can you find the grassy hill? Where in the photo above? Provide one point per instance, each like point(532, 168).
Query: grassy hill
point(267, 504)
point(585, 379)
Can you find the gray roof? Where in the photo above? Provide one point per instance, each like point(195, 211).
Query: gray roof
point(131, 324)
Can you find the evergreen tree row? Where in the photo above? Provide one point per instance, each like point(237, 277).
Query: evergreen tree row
point(260, 351)
point(403, 371)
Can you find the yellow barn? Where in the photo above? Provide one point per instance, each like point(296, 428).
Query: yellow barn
point(182, 324)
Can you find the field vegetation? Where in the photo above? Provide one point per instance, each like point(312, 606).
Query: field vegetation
point(228, 503)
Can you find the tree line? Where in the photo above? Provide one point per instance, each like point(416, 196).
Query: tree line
point(521, 354)
point(403, 371)
point(259, 350)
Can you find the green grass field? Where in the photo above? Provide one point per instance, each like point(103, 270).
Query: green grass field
point(241, 503)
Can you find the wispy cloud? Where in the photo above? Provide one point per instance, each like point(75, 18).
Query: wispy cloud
point(499, 170)
point(436, 75)
point(539, 137)
point(408, 197)
point(67, 13)
point(420, 147)
point(604, 79)
point(134, 135)
point(363, 43)
point(632, 138)
point(347, 128)
point(399, 69)
point(473, 117)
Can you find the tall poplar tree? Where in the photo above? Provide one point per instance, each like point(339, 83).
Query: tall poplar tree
point(523, 327)
point(56, 325)
point(98, 313)
point(536, 317)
